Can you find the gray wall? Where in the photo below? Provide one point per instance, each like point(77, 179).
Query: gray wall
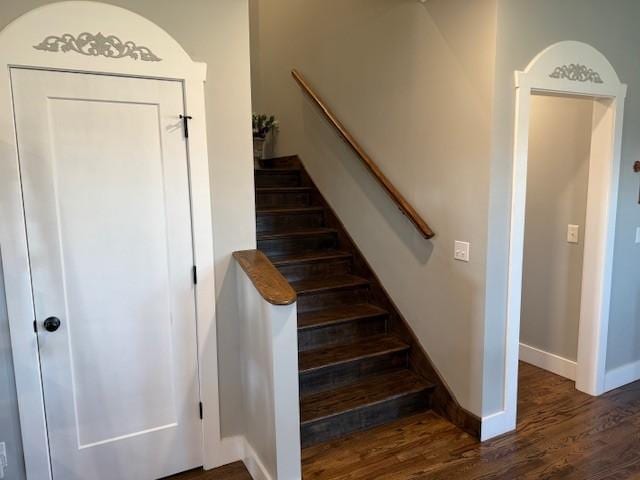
point(414, 84)
point(524, 29)
point(9, 421)
point(428, 90)
point(215, 32)
point(557, 176)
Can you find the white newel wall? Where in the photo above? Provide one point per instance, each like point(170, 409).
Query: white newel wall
point(269, 384)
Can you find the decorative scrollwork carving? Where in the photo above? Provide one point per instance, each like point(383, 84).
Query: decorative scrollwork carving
point(96, 45)
point(577, 73)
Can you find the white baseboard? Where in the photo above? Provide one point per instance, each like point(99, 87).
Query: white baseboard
point(621, 376)
point(254, 464)
point(236, 449)
point(548, 361)
point(230, 449)
point(497, 424)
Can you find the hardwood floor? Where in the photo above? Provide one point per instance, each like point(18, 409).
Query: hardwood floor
point(562, 434)
point(233, 471)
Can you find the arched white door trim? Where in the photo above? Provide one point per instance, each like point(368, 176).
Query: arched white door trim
point(572, 68)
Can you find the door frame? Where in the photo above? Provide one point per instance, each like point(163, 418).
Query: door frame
point(48, 38)
point(570, 68)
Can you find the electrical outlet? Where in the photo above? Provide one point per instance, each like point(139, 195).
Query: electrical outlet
point(573, 233)
point(461, 251)
point(4, 463)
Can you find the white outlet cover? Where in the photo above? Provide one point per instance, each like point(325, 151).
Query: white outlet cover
point(461, 251)
point(573, 233)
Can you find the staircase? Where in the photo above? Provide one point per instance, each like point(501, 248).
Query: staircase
point(354, 365)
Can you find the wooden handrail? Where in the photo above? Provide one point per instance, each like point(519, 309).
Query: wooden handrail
point(393, 192)
point(269, 282)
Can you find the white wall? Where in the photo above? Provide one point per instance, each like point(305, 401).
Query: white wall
point(217, 33)
point(524, 30)
point(269, 348)
point(414, 84)
point(557, 175)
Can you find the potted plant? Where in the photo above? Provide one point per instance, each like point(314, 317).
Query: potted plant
point(263, 126)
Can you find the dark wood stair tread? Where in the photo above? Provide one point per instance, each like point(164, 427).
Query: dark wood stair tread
point(277, 170)
point(341, 314)
point(289, 210)
point(370, 391)
point(284, 189)
point(308, 257)
point(322, 284)
point(369, 347)
point(302, 232)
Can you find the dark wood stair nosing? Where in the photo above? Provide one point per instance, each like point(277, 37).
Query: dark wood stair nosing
point(348, 282)
point(363, 419)
point(303, 232)
point(276, 170)
point(283, 189)
point(354, 317)
point(289, 210)
point(309, 257)
point(424, 387)
point(400, 347)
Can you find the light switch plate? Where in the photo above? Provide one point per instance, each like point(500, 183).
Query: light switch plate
point(638, 235)
point(573, 233)
point(461, 251)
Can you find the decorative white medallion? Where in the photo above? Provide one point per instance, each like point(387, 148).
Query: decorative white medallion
point(577, 73)
point(89, 44)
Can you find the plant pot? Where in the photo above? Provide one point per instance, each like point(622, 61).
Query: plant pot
point(258, 150)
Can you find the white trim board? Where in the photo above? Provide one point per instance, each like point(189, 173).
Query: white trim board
point(548, 361)
point(238, 448)
point(622, 375)
point(572, 68)
point(17, 49)
point(496, 424)
point(254, 464)
point(232, 449)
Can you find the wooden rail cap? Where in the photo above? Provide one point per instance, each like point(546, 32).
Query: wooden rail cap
point(402, 203)
point(269, 282)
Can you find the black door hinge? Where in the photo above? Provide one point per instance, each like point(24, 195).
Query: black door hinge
point(185, 121)
point(35, 326)
point(200, 407)
point(195, 275)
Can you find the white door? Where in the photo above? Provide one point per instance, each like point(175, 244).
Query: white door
point(104, 174)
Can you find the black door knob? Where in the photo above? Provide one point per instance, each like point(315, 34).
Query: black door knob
point(51, 324)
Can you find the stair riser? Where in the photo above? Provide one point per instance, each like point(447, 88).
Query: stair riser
point(340, 333)
point(325, 268)
point(284, 199)
point(332, 298)
point(363, 418)
point(284, 246)
point(293, 221)
point(284, 179)
point(335, 376)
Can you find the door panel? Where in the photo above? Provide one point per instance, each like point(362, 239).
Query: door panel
point(104, 172)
